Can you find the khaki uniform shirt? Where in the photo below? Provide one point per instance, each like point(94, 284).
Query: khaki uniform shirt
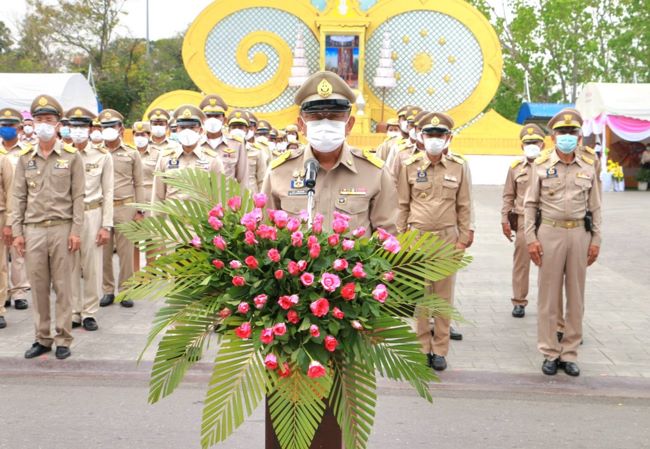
point(398, 155)
point(49, 188)
point(178, 160)
point(514, 190)
point(257, 164)
point(433, 197)
point(128, 174)
point(99, 180)
point(233, 157)
point(563, 192)
point(384, 149)
point(16, 151)
point(150, 158)
point(357, 186)
point(6, 181)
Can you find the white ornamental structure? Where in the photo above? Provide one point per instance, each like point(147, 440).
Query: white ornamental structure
point(299, 70)
point(385, 76)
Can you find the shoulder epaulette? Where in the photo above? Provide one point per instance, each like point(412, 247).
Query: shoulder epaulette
point(588, 160)
point(210, 152)
point(237, 139)
point(458, 159)
point(543, 158)
point(369, 156)
point(69, 148)
point(27, 149)
point(590, 150)
point(284, 157)
point(229, 150)
point(3, 151)
point(516, 162)
point(416, 157)
point(100, 148)
point(129, 146)
point(168, 152)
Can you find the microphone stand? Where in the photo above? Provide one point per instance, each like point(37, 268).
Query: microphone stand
point(310, 208)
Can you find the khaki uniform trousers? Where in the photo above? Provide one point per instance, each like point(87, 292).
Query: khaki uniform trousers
point(49, 264)
point(19, 281)
point(4, 281)
point(438, 343)
point(125, 249)
point(564, 264)
point(520, 266)
point(87, 263)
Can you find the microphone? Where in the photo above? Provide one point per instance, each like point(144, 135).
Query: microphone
point(311, 171)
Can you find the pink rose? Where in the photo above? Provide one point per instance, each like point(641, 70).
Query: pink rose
point(280, 329)
point(260, 301)
point(317, 227)
point(337, 313)
point(314, 251)
point(315, 370)
point(284, 371)
point(215, 223)
point(259, 199)
point(271, 361)
point(333, 240)
point(340, 264)
point(267, 232)
point(225, 312)
point(288, 301)
point(320, 307)
point(348, 291)
point(244, 331)
point(280, 218)
point(218, 264)
point(278, 274)
point(358, 271)
point(307, 279)
point(219, 242)
point(330, 343)
point(314, 331)
point(293, 224)
point(347, 245)
point(196, 242)
point(380, 293)
point(389, 276)
point(216, 211)
point(234, 203)
point(302, 265)
point(266, 336)
point(293, 317)
point(330, 282)
point(311, 241)
point(296, 239)
point(391, 244)
point(359, 232)
point(251, 262)
point(249, 238)
point(339, 226)
point(235, 264)
point(292, 268)
point(339, 216)
point(273, 254)
point(238, 281)
point(356, 325)
point(304, 216)
point(383, 234)
point(249, 220)
point(243, 308)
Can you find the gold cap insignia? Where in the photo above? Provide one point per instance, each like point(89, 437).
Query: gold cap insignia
point(187, 113)
point(530, 130)
point(108, 115)
point(213, 102)
point(42, 101)
point(139, 126)
point(77, 112)
point(435, 121)
point(7, 113)
point(324, 89)
point(567, 119)
point(238, 114)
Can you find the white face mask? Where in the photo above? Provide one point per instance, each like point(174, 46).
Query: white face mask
point(282, 146)
point(240, 133)
point(435, 145)
point(392, 134)
point(214, 143)
point(96, 136)
point(326, 135)
point(292, 138)
point(532, 151)
point(213, 125)
point(250, 134)
point(413, 134)
point(158, 130)
point(141, 141)
point(188, 137)
point(404, 126)
point(28, 129)
point(45, 131)
point(79, 135)
point(110, 134)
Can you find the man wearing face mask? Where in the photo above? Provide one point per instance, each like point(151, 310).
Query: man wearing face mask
point(262, 139)
point(128, 188)
point(47, 213)
point(64, 131)
point(231, 150)
point(392, 135)
point(293, 141)
point(96, 137)
point(189, 119)
point(252, 128)
point(158, 141)
point(564, 241)
point(98, 220)
point(349, 181)
point(10, 120)
point(434, 196)
point(27, 135)
point(258, 154)
point(6, 180)
point(512, 213)
point(403, 148)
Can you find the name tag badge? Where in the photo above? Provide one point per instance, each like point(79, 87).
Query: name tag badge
point(551, 172)
point(90, 167)
point(297, 193)
point(31, 165)
point(62, 164)
point(584, 176)
point(451, 178)
point(353, 191)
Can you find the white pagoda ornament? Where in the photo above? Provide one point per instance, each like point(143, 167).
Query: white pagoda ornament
point(385, 75)
point(299, 70)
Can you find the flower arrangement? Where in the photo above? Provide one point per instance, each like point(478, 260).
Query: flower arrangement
point(302, 316)
point(615, 169)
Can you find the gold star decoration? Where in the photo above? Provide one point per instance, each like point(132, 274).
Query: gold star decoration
point(447, 78)
point(406, 39)
point(411, 90)
point(398, 76)
point(451, 59)
point(394, 56)
point(431, 91)
point(442, 41)
point(424, 33)
point(422, 63)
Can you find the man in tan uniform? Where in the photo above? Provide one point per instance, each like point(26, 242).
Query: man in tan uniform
point(256, 151)
point(350, 181)
point(128, 188)
point(401, 151)
point(98, 220)
point(10, 119)
point(434, 196)
point(564, 189)
point(231, 151)
point(190, 155)
point(159, 128)
point(393, 133)
point(512, 213)
point(293, 137)
point(47, 213)
point(6, 180)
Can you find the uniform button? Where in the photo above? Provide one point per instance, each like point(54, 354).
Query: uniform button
point(38, 172)
point(423, 195)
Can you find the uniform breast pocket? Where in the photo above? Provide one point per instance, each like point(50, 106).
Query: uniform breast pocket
point(583, 184)
point(421, 190)
point(123, 164)
point(293, 205)
point(357, 208)
point(61, 179)
point(34, 181)
point(449, 189)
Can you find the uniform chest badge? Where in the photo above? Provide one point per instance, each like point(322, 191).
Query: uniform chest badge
point(297, 183)
point(551, 172)
point(583, 176)
point(173, 163)
point(451, 178)
point(90, 167)
point(422, 176)
point(62, 164)
point(31, 165)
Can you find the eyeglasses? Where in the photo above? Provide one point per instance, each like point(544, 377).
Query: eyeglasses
point(325, 115)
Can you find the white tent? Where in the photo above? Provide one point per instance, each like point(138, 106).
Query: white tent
point(627, 100)
point(18, 90)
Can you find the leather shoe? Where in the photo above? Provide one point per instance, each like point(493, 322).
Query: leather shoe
point(90, 324)
point(439, 363)
point(430, 360)
point(560, 336)
point(549, 367)
point(128, 303)
point(3, 322)
point(36, 350)
point(107, 300)
point(76, 324)
point(8, 303)
point(571, 368)
point(454, 334)
point(62, 352)
point(20, 304)
point(519, 311)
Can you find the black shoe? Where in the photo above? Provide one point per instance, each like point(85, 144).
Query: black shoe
point(20, 304)
point(560, 336)
point(62, 352)
point(439, 363)
point(128, 303)
point(454, 334)
point(76, 324)
point(430, 360)
point(90, 324)
point(36, 350)
point(519, 311)
point(3, 322)
point(107, 300)
point(8, 303)
point(549, 367)
point(571, 368)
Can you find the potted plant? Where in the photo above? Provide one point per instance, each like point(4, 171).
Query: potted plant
point(643, 177)
point(303, 317)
